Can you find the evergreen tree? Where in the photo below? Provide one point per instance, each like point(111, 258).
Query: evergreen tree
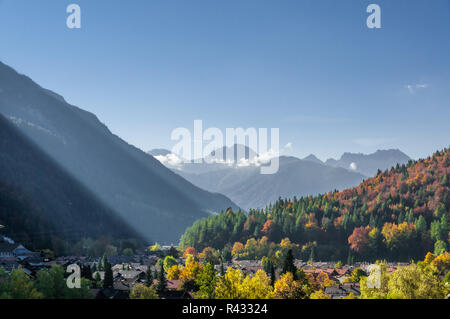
point(444, 226)
point(148, 277)
point(445, 180)
point(97, 280)
point(222, 270)
point(162, 282)
point(108, 282)
point(272, 274)
point(173, 252)
point(440, 247)
point(312, 256)
point(421, 225)
point(86, 272)
point(102, 262)
point(288, 265)
point(349, 258)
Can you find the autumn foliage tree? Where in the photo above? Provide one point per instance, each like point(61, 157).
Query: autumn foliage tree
point(190, 251)
point(359, 240)
point(268, 228)
point(287, 288)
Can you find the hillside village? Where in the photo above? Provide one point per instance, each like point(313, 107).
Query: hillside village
point(129, 271)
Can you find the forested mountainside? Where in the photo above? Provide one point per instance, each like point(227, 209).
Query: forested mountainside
point(400, 214)
point(148, 196)
point(41, 205)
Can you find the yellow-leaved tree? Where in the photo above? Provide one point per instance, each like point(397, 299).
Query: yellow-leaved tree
point(323, 280)
point(319, 294)
point(235, 285)
point(287, 288)
point(189, 273)
point(257, 286)
point(350, 296)
point(174, 272)
point(442, 263)
point(238, 248)
point(229, 285)
point(416, 282)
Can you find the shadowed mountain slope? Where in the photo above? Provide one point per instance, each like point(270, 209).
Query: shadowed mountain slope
point(41, 205)
point(158, 203)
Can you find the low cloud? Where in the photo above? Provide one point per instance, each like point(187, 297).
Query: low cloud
point(412, 88)
point(170, 160)
point(174, 161)
point(259, 160)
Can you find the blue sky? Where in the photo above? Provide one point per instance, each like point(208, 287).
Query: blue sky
point(311, 68)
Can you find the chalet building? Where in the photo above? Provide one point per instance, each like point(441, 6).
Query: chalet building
point(139, 267)
point(134, 275)
point(225, 266)
point(7, 250)
point(132, 266)
point(114, 260)
point(21, 251)
point(14, 255)
point(9, 263)
point(34, 263)
point(343, 290)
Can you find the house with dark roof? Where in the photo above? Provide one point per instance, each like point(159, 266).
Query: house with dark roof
point(114, 260)
point(34, 263)
point(22, 251)
point(7, 249)
point(134, 275)
point(343, 290)
point(9, 263)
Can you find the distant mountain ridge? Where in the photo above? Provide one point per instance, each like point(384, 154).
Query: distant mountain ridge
point(296, 177)
point(248, 188)
point(313, 158)
point(369, 164)
point(156, 202)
